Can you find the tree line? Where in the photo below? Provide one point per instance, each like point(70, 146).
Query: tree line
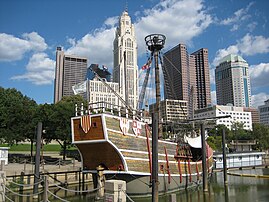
point(19, 116)
point(260, 133)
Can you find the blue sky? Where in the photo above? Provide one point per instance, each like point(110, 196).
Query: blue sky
point(30, 31)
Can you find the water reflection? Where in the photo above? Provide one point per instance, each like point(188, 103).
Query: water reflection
point(246, 189)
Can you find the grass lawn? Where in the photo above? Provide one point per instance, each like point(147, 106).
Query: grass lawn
point(27, 147)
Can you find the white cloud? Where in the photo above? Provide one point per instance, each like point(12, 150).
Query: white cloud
point(212, 74)
point(251, 45)
point(213, 97)
point(248, 45)
point(180, 21)
point(223, 52)
point(96, 47)
point(112, 21)
point(259, 74)
point(258, 99)
point(40, 70)
point(13, 48)
point(251, 26)
point(238, 17)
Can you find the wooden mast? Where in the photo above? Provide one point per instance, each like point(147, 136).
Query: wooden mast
point(155, 43)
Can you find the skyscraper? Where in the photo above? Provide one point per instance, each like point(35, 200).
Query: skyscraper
point(186, 77)
point(125, 71)
point(203, 94)
point(176, 73)
point(232, 81)
point(70, 70)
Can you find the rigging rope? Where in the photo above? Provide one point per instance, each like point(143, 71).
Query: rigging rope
point(57, 196)
point(22, 185)
point(8, 198)
point(127, 195)
point(75, 191)
point(146, 67)
point(24, 195)
point(171, 88)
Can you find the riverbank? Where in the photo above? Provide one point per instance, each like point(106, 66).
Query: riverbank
point(56, 165)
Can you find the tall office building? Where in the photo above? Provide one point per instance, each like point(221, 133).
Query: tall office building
point(264, 113)
point(203, 94)
point(232, 81)
point(176, 73)
point(70, 70)
point(186, 77)
point(125, 71)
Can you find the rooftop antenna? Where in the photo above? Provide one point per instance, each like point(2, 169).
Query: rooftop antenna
point(126, 6)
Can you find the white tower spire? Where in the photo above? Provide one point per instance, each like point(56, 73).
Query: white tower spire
point(125, 70)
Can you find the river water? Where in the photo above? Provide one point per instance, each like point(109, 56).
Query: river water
point(245, 189)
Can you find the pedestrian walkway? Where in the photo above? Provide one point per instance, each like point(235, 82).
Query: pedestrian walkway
point(29, 168)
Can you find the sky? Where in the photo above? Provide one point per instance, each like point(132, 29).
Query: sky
point(30, 31)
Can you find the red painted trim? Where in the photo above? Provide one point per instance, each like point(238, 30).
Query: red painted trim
point(197, 171)
point(167, 165)
point(179, 169)
point(189, 169)
point(148, 147)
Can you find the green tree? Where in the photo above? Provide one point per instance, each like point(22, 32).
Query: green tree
point(215, 136)
point(57, 120)
point(260, 132)
point(17, 114)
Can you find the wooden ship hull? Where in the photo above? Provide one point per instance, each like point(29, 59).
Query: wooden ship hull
point(125, 153)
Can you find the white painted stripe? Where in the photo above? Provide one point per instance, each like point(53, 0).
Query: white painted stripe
point(136, 159)
point(89, 141)
point(142, 152)
point(142, 173)
point(111, 172)
point(141, 159)
point(141, 137)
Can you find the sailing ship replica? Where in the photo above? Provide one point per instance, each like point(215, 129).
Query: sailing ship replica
point(120, 142)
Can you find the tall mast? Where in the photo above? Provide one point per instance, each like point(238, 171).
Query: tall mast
point(155, 43)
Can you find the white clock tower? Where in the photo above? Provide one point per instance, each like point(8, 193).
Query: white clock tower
point(125, 70)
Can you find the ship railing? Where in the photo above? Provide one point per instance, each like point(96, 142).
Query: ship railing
point(243, 142)
point(108, 108)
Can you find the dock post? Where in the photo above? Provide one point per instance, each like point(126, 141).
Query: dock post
point(224, 157)
point(37, 158)
point(79, 179)
point(83, 182)
point(21, 182)
point(205, 184)
point(100, 182)
point(115, 190)
point(2, 185)
point(46, 188)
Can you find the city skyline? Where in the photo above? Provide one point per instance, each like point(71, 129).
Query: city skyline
point(30, 31)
